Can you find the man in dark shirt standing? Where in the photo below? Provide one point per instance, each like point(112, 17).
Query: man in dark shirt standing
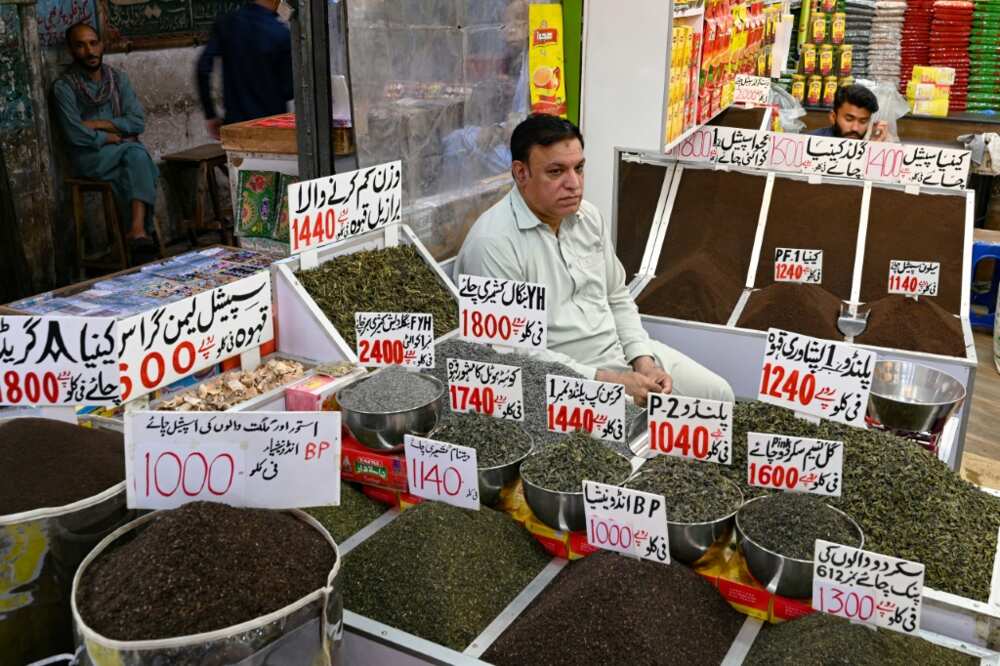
point(256, 52)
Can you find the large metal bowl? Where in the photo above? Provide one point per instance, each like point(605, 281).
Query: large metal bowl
point(689, 541)
point(384, 431)
point(559, 510)
point(786, 576)
point(493, 479)
point(911, 397)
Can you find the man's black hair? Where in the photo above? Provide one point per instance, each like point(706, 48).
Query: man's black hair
point(856, 94)
point(540, 129)
point(80, 24)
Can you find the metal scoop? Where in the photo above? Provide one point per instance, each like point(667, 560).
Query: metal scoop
point(853, 319)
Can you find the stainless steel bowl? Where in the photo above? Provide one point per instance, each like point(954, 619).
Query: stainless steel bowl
point(384, 431)
point(558, 510)
point(493, 479)
point(689, 541)
point(911, 397)
point(787, 576)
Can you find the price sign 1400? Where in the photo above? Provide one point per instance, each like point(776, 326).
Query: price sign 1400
point(691, 427)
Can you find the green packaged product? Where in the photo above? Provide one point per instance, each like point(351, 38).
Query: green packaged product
point(257, 198)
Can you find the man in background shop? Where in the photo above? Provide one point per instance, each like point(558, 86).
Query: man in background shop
point(853, 108)
point(256, 50)
point(544, 232)
point(102, 119)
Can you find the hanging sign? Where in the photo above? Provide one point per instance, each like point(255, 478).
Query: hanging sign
point(831, 156)
point(817, 377)
point(752, 90)
point(694, 428)
point(268, 460)
point(334, 208)
point(487, 388)
point(545, 59)
point(163, 345)
point(584, 404)
point(795, 463)
point(795, 265)
point(867, 587)
point(395, 338)
point(740, 148)
point(442, 472)
point(59, 361)
point(502, 312)
point(626, 521)
point(914, 278)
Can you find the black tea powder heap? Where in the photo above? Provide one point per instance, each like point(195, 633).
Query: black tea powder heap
point(202, 567)
point(610, 609)
point(47, 463)
point(496, 441)
point(355, 511)
point(393, 279)
point(440, 572)
point(694, 492)
point(825, 639)
point(564, 466)
point(790, 523)
point(392, 389)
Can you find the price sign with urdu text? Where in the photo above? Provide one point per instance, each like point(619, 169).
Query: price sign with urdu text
point(583, 404)
point(487, 388)
point(694, 428)
point(395, 338)
point(795, 265)
point(795, 463)
point(914, 278)
point(626, 521)
point(442, 472)
point(502, 312)
point(752, 90)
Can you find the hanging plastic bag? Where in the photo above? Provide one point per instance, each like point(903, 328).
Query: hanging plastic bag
point(891, 107)
point(788, 109)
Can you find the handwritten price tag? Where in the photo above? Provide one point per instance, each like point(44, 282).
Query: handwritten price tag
point(793, 265)
point(626, 521)
point(752, 90)
point(691, 428)
point(583, 404)
point(818, 377)
point(930, 166)
point(914, 278)
point(739, 148)
point(160, 346)
point(59, 361)
point(795, 463)
point(395, 338)
point(830, 156)
point(502, 312)
point(442, 472)
point(334, 208)
point(265, 460)
point(862, 585)
point(488, 388)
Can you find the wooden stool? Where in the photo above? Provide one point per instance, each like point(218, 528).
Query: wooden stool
point(206, 159)
point(117, 258)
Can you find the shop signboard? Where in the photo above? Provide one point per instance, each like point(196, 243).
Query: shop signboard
point(268, 460)
point(487, 388)
point(62, 361)
point(595, 407)
point(867, 587)
point(798, 464)
point(395, 338)
point(626, 521)
point(502, 312)
point(442, 472)
point(693, 428)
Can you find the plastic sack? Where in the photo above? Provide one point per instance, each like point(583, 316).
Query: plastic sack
point(788, 109)
point(891, 106)
point(308, 631)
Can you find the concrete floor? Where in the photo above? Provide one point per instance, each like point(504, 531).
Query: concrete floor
point(981, 462)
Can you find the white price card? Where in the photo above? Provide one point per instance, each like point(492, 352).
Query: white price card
point(930, 166)
point(334, 208)
point(752, 90)
point(267, 460)
point(832, 156)
point(163, 345)
point(797, 265)
point(583, 404)
point(395, 338)
point(740, 148)
point(502, 312)
point(488, 388)
point(867, 587)
point(626, 521)
point(694, 428)
point(914, 278)
point(795, 463)
point(59, 361)
point(442, 472)
point(821, 378)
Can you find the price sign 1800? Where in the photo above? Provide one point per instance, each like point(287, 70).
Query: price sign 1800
point(691, 427)
point(502, 312)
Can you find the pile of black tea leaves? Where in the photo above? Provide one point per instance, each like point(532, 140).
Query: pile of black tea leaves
point(392, 389)
point(496, 441)
point(563, 467)
point(790, 523)
point(694, 492)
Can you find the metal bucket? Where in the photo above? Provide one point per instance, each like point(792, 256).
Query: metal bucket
point(308, 631)
point(40, 551)
point(910, 397)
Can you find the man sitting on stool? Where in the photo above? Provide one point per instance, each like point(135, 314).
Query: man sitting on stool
point(102, 120)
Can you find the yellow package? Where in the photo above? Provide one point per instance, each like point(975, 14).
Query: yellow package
point(545, 59)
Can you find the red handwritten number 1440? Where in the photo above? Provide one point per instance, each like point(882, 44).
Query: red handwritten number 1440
point(322, 230)
point(779, 383)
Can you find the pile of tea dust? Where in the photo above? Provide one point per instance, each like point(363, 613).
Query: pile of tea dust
point(533, 372)
point(440, 572)
point(496, 441)
point(392, 389)
point(694, 492)
point(790, 523)
point(808, 309)
point(825, 639)
point(921, 325)
point(46, 463)
point(610, 609)
point(393, 279)
point(907, 502)
point(354, 512)
point(202, 567)
point(562, 467)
